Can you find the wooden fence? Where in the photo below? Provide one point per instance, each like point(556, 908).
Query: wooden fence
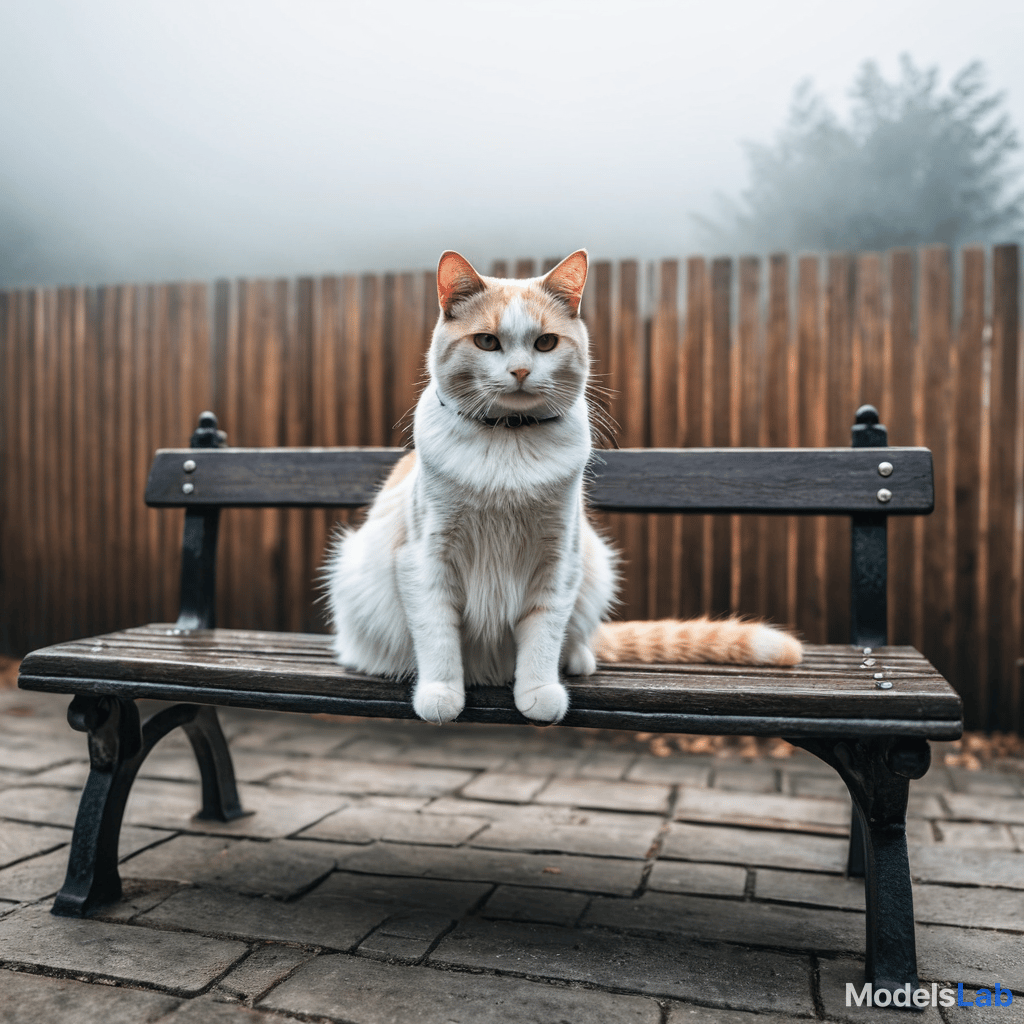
point(694, 353)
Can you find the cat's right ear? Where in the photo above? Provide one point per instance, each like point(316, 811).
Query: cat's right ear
point(456, 280)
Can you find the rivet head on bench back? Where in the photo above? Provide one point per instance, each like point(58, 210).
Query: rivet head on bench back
point(884, 495)
point(885, 469)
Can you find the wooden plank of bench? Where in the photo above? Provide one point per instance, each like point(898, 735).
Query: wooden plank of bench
point(779, 480)
point(831, 693)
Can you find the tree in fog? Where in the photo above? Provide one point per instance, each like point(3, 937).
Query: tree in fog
point(912, 165)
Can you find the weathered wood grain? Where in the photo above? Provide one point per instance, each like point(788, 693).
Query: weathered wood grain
point(778, 480)
point(833, 687)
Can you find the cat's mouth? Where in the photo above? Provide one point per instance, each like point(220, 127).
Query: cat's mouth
point(520, 400)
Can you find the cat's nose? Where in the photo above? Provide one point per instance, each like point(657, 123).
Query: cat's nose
point(521, 374)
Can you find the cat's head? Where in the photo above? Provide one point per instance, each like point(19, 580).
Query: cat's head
point(505, 346)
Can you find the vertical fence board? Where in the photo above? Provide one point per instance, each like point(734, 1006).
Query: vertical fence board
point(901, 342)
point(717, 419)
point(631, 383)
point(665, 583)
point(812, 596)
point(9, 524)
point(746, 376)
point(935, 340)
point(691, 530)
point(776, 563)
point(970, 653)
point(1003, 590)
point(839, 419)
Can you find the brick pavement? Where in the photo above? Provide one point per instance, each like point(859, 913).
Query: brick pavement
point(401, 872)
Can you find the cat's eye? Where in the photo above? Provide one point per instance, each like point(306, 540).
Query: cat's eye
point(546, 342)
point(488, 342)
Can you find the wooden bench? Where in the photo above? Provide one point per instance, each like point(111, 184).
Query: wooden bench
point(867, 713)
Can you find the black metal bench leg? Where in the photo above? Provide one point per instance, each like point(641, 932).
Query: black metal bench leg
point(855, 856)
point(877, 773)
point(115, 746)
point(118, 745)
point(220, 795)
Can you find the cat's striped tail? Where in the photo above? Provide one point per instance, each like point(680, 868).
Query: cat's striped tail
point(721, 641)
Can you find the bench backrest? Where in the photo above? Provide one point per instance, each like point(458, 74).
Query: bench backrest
point(775, 480)
point(868, 481)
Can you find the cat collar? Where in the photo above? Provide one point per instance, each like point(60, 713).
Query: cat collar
point(512, 422)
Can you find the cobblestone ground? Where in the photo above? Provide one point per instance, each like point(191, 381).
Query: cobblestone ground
point(400, 872)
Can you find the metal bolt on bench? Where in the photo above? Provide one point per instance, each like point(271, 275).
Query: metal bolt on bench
point(866, 709)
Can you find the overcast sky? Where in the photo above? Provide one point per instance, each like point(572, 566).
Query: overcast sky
point(148, 140)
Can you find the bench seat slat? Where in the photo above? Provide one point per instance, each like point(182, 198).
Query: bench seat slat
point(217, 663)
point(777, 480)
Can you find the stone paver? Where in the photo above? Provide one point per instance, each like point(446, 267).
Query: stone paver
point(266, 967)
point(699, 879)
point(984, 783)
point(984, 836)
point(719, 975)
point(758, 779)
point(333, 922)
point(451, 898)
point(36, 877)
point(967, 867)
point(274, 868)
point(970, 955)
point(810, 888)
point(38, 999)
point(364, 992)
point(181, 964)
point(763, 810)
point(572, 830)
point(671, 771)
point(1012, 1014)
point(611, 796)
point(395, 871)
point(274, 813)
point(47, 805)
point(798, 851)
point(682, 1014)
point(969, 908)
point(754, 924)
point(835, 975)
point(356, 777)
point(18, 841)
point(985, 808)
point(368, 824)
point(543, 906)
point(508, 787)
point(555, 871)
point(211, 1010)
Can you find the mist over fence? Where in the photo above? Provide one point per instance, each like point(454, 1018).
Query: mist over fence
point(695, 353)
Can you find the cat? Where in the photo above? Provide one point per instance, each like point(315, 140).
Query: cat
point(477, 564)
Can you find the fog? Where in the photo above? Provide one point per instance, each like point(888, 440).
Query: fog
point(166, 140)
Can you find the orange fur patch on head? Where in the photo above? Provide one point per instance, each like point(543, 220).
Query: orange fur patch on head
point(401, 469)
point(566, 281)
point(456, 280)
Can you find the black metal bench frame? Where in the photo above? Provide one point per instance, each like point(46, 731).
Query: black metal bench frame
point(875, 756)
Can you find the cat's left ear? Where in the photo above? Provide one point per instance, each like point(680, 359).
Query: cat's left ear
point(566, 281)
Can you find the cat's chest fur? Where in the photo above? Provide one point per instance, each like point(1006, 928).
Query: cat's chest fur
point(500, 508)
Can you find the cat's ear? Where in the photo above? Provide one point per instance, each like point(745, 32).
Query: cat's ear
point(566, 281)
point(456, 280)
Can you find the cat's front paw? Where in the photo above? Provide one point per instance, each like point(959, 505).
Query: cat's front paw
point(579, 661)
point(544, 703)
point(438, 702)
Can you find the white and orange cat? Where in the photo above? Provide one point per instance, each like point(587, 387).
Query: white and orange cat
point(476, 564)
